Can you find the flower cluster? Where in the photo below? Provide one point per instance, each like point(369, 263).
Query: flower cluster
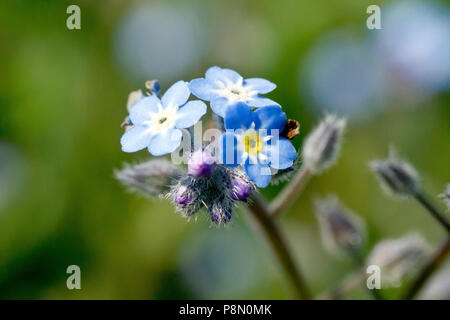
point(251, 150)
point(218, 193)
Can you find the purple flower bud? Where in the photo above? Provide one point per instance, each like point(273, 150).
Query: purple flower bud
point(241, 190)
point(182, 196)
point(201, 164)
point(215, 216)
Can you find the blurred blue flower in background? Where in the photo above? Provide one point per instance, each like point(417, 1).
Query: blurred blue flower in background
point(415, 43)
point(157, 122)
point(224, 87)
point(248, 143)
point(342, 76)
point(160, 41)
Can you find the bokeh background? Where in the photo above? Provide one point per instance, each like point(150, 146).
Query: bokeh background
point(62, 99)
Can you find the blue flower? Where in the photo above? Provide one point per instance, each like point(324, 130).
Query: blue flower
point(224, 87)
point(252, 140)
point(157, 122)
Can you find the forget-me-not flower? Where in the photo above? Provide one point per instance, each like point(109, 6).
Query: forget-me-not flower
point(224, 87)
point(252, 140)
point(157, 122)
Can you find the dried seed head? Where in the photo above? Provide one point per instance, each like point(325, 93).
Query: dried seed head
point(201, 164)
point(399, 258)
point(342, 231)
point(396, 175)
point(446, 196)
point(321, 147)
point(151, 178)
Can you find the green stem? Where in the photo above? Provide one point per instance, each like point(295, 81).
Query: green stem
point(439, 216)
point(272, 232)
point(433, 264)
point(288, 195)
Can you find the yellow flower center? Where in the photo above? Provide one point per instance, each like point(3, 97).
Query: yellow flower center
point(252, 143)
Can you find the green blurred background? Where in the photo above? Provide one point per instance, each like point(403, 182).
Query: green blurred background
point(62, 99)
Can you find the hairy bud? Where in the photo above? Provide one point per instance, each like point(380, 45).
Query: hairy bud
point(221, 210)
point(398, 258)
point(214, 193)
point(150, 178)
point(342, 231)
point(321, 147)
point(396, 175)
point(183, 196)
point(201, 164)
point(241, 190)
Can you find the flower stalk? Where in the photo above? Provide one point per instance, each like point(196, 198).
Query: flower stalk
point(432, 210)
point(431, 266)
point(276, 239)
point(289, 194)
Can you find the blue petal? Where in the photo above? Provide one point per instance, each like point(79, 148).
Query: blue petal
point(282, 154)
point(166, 142)
point(238, 116)
point(219, 106)
point(259, 101)
point(259, 173)
point(176, 95)
point(261, 85)
point(270, 118)
point(216, 74)
point(203, 89)
point(142, 110)
point(229, 152)
point(232, 75)
point(190, 113)
point(135, 139)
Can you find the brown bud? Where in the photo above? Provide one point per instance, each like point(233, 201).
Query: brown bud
point(291, 129)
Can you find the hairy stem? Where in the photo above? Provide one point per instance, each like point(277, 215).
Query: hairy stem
point(288, 195)
point(431, 266)
point(439, 216)
point(276, 239)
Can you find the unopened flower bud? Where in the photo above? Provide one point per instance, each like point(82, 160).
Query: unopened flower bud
point(133, 98)
point(398, 258)
point(321, 147)
point(151, 178)
point(240, 190)
point(342, 231)
point(201, 164)
point(221, 212)
point(183, 196)
point(396, 175)
point(153, 86)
